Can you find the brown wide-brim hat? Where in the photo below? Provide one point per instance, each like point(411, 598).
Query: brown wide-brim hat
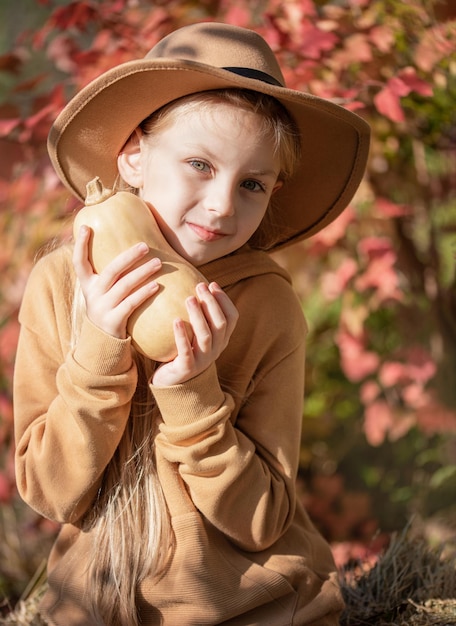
point(92, 129)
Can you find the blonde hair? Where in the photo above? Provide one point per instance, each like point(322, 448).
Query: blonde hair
point(129, 522)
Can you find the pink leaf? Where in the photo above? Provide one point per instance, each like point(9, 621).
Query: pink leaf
point(392, 373)
point(382, 37)
point(410, 78)
point(374, 247)
point(334, 232)
point(388, 104)
point(378, 419)
point(334, 283)
point(388, 209)
point(356, 50)
point(313, 41)
point(369, 392)
point(238, 15)
point(436, 44)
point(357, 362)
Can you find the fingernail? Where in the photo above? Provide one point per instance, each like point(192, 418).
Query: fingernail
point(202, 287)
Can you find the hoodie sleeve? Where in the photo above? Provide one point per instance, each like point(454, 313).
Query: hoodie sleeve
point(234, 431)
point(71, 405)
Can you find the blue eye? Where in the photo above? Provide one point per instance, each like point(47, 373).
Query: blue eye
point(201, 166)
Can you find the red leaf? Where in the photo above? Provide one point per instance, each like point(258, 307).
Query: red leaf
point(409, 77)
point(388, 104)
point(313, 41)
point(74, 15)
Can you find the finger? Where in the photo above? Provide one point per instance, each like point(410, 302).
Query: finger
point(136, 298)
point(81, 262)
point(122, 263)
point(135, 279)
point(226, 305)
point(212, 310)
point(220, 312)
point(183, 344)
point(202, 339)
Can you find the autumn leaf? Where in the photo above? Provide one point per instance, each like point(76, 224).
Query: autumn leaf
point(414, 83)
point(313, 42)
point(357, 362)
point(435, 45)
point(388, 209)
point(387, 100)
point(378, 419)
point(382, 37)
point(74, 15)
point(334, 283)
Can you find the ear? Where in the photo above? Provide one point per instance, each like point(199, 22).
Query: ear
point(129, 162)
point(277, 186)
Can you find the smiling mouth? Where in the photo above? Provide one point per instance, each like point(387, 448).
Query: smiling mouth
point(206, 234)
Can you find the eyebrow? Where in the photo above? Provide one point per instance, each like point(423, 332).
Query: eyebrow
point(263, 173)
point(254, 172)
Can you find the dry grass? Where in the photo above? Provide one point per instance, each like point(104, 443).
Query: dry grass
point(26, 611)
point(412, 584)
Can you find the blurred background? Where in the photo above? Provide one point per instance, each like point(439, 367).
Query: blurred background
point(377, 286)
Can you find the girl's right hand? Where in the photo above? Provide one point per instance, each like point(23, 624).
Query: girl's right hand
point(113, 295)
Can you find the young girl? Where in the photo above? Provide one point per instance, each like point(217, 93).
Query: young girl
point(175, 483)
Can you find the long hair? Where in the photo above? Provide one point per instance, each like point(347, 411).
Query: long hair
point(129, 523)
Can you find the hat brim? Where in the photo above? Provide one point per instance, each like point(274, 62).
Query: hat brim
point(91, 130)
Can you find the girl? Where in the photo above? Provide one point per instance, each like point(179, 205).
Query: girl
point(175, 482)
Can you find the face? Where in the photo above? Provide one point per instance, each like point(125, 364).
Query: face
point(209, 177)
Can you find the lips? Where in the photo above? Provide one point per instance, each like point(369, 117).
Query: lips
point(206, 234)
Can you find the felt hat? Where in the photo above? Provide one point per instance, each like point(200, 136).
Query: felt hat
point(91, 130)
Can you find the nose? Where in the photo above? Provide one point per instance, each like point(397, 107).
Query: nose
point(220, 198)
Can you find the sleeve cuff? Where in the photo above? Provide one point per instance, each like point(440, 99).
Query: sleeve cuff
point(198, 398)
point(100, 353)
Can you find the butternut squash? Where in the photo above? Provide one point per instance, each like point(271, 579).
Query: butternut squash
point(118, 222)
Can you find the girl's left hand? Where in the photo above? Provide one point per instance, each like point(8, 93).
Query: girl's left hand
point(213, 318)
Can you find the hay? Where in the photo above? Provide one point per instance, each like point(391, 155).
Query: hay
point(26, 611)
point(410, 585)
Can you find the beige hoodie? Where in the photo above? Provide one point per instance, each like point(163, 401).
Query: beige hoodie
point(227, 455)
